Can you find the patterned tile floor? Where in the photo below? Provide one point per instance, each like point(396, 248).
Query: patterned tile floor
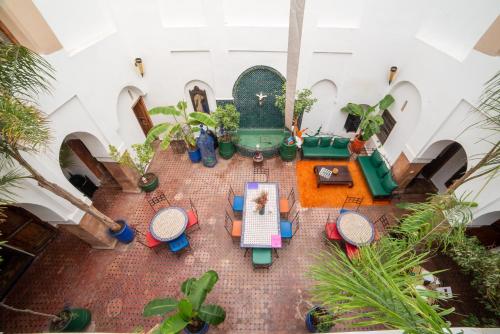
point(115, 285)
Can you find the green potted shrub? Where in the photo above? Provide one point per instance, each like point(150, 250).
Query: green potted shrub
point(303, 103)
point(185, 127)
point(191, 315)
point(228, 121)
point(370, 120)
point(139, 162)
point(319, 320)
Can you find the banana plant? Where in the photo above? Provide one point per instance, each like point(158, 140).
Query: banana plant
point(370, 119)
point(190, 310)
point(185, 125)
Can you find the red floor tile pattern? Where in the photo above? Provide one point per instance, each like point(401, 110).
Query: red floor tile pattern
point(115, 285)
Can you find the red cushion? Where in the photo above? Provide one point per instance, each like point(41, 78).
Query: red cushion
point(331, 232)
point(351, 250)
point(151, 241)
point(192, 218)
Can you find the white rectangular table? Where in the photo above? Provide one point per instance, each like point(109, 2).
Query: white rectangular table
point(258, 230)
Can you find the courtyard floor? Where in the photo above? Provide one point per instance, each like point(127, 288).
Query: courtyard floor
point(115, 285)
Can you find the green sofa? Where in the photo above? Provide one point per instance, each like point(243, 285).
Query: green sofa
point(377, 175)
point(325, 148)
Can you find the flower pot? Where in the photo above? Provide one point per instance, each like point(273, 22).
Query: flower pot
point(150, 184)
point(226, 149)
point(288, 152)
point(357, 145)
point(202, 330)
point(194, 155)
point(72, 320)
point(312, 322)
point(125, 234)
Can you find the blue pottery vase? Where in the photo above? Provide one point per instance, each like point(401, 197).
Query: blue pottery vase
point(195, 156)
point(125, 234)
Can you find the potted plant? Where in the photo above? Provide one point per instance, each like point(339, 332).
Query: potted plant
point(191, 315)
point(228, 121)
point(139, 162)
point(319, 320)
point(185, 126)
point(303, 103)
point(68, 320)
point(370, 120)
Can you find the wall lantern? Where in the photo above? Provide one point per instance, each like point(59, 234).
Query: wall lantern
point(140, 67)
point(392, 73)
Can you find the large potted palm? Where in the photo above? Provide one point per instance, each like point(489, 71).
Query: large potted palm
point(139, 162)
point(228, 121)
point(191, 315)
point(185, 127)
point(24, 129)
point(370, 120)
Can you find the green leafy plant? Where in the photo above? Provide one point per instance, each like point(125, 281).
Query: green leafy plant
point(139, 162)
point(185, 125)
point(370, 116)
point(228, 120)
point(303, 102)
point(190, 310)
point(322, 320)
point(23, 128)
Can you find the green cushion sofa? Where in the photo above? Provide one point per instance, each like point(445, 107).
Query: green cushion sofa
point(325, 148)
point(377, 175)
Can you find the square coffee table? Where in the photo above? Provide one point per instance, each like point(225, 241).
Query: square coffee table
point(343, 176)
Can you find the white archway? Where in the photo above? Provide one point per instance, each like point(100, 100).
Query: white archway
point(203, 86)
point(406, 111)
point(128, 127)
point(323, 110)
point(45, 214)
point(486, 219)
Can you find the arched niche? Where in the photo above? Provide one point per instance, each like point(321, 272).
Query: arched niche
point(201, 86)
point(129, 127)
point(43, 213)
point(406, 111)
point(322, 111)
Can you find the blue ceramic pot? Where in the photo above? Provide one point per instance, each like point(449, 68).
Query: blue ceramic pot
point(125, 234)
point(195, 156)
point(203, 330)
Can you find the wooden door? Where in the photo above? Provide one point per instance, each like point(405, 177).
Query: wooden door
point(82, 152)
point(142, 115)
point(26, 236)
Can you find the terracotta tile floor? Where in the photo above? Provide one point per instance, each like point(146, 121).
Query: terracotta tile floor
point(115, 285)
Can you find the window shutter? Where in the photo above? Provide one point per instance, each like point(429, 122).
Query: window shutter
point(386, 128)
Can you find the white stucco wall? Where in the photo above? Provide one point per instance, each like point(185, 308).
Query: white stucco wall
point(349, 43)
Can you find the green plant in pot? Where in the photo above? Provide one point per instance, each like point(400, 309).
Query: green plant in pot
point(370, 120)
point(139, 162)
point(191, 314)
point(303, 103)
point(185, 126)
point(228, 121)
point(319, 320)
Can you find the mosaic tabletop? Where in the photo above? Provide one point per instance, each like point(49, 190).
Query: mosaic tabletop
point(261, 231)
point(355, 228)
point(168, 223)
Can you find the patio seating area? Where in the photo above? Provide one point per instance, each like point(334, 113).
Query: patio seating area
point(117, 284)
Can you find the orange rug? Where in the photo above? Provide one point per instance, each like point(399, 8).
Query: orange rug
point(331, 195)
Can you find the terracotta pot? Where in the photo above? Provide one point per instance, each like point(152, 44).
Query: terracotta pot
point(357, 145)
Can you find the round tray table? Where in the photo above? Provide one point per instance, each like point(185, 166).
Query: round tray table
point(168, 223)
point(355, 228)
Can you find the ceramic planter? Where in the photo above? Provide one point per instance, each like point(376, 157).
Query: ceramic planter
point(311, 321)
point(125, 234)
point(357, 145)
point(203, 330)
point(194, 155)
point(288, 152)
point(73, 320)
point(226, 149)
point(150, 184)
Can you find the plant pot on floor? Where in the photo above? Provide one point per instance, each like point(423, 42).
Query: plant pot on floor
point(125, 234)
point(315, 320)
point(357, 145)
point(72, 320)
point(194, 155)
point(200, 328)
point(226, 149)
point(288, 152)
point(148, 182)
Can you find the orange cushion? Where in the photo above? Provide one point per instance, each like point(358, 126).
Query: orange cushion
point(192, 218)
point(151, 241)
point(236, 232)
point(351, 250)
point(331, 232)
point(284, 206)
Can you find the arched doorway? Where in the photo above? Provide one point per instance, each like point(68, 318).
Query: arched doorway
point(133, 117)
point(321, 113)
point(486, 228)
point(26, 235)
point(447, 163)
point(255, 113)
point(79, 164)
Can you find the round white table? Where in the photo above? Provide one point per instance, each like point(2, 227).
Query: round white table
point(355, 228)
point(168, 223)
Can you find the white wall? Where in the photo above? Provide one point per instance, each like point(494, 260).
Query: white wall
point(351, 43)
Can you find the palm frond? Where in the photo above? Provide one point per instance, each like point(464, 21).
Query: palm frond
point(9, 180)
